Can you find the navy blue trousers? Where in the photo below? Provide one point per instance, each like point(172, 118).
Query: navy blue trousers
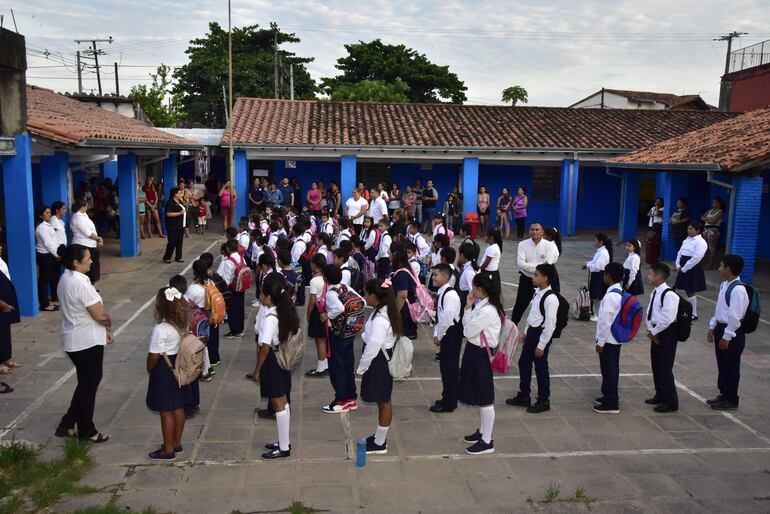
point(527, 359)
point(609, 362)
point(341, 370)
point(449, 365)
point(729, 362)
point(662, 358)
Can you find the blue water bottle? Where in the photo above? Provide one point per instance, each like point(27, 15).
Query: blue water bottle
point(361, 453)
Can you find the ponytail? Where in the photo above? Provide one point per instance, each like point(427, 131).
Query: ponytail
point(276, 287)
point(497, 237)
point(387, 298)
point(606, 241)
point(468, 251)
point(485, 283)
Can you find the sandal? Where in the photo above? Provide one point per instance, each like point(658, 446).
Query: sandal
point(6, 388)
point(98, 438)
point(12, 364)
point(51, 308)
point(250, 376)
point(61, 431)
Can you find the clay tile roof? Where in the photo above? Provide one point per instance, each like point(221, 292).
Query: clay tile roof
point(738, 143)
point(257, 121)
point(667, 99)
point(68, 121)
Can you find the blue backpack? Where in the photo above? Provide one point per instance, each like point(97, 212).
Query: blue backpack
point(751, 318)
point(424, 268)
point(629, 318)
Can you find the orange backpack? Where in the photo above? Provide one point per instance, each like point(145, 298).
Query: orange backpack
point(215, 303)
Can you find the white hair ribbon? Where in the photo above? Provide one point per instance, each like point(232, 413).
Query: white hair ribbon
point(172, 293)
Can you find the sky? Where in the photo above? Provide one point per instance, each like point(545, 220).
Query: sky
point(559, 51)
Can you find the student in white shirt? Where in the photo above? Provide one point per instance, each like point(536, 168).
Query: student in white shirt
point(632, 278)
point(196, 293)
point(355, 209)
point(448, 338)
point(414, 262)
point(327, 227)
point(481, 327)
point(235, 307)
point(383, 253)
point(315, 328)
point(726, 332)
point(448, 256)
point(58, 211)
point(340, 259)
point(345, 232)
point(423, 249)
point(47, 257)
point(596, 266)
point(490, 261)
point(661, 330)
point(467, 265)
point(381, 332)
point(531, 252)
point(279, 323)
point(378, 208)
point(299, 247)
point(370, 235)
point(438, 225)
point(606, 345)
point(690, 277)
point(541, 322)
point(243, 237)
point(324, 246)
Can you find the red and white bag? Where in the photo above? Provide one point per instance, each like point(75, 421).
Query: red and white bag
point(508, 341)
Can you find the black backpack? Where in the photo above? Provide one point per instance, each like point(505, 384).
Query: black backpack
point(683, 316)
point(750, 319)
point(357, 281)
point(562, 313)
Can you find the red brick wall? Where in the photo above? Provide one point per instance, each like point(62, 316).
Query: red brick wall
point(750, 89)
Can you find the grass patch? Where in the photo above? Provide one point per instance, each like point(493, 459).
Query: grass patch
point(580, 494)
point(552, 493)
point(111, 508)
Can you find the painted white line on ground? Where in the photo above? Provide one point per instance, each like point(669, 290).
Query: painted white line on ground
point(510, 377)
point(39, 400)
point(509, 284)
point(712, 301)
point(726, 414)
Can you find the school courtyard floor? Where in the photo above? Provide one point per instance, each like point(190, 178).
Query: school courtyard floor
point(694, 460)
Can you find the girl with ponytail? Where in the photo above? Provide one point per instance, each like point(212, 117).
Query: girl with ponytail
point(603, 256)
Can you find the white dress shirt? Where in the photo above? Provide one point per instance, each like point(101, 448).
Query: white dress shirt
point(345, 269)
point(694, 247)
point(466, 277)
point(600, 260)
point(732, 315)
point(632, 264)
point(79, 330)
point(377, 336)
point(61, 230)
point(494, 253)
point(165, 339)
point(297, 249)
point(268, 326)
point(328, 228)
point(226, 268)
point(535, 319)
point(415, 265)
point(371, 238)
point(608, 311)
point(385, 241)
point(529, 255)
point(439, 229)
point(45, 239)
point(343, 235)
point(196, 293)
point(423, 248)
point(662, 317)
point(447, 310)
point(244, 240)
point(378, 209)
point(82, 227)
point(484, 317)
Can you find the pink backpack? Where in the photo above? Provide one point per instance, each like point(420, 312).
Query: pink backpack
point(423, 310)
point(508, 341)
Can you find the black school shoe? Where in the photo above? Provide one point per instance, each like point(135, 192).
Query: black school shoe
point(599, 400)
point(276, 454)
point(653, 401)
point(606, 409)
point(158, 455)
point(519, 401)
point(716, 400)
point(440, 407)
point(475, 437)
point(539, 407)
point(664, 407)
point(265, 414)
point(480, 448)
point(314, 373)
point(724, 404)
point(375, 449)
point(274, 446)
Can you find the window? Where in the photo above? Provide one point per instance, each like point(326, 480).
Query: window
point(546, 184)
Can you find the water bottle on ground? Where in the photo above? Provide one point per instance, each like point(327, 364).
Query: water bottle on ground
point(361, 453)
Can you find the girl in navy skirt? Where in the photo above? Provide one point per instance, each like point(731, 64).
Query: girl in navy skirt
point(315, 327)
point(380, 335)
point(280, 321)
point(632, 279)
point(595, 266)
point(489, 263)
point(172, 318)
point(481, 326)
point(690, 276)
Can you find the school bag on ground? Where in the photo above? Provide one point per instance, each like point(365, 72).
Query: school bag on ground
point(199, 322)
point(508, 340)
point(351, 322)
point(189, 360)
point(562, 313)
point(215, 303)
point(289, 353)
point(400, 362)
point(423, 309)
point(683, 316)
point(626, 324)
point(581, 305)
point(241, 276)
point(751, 318)
point(224, 290)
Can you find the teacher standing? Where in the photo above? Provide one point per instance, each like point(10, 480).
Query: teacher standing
point(176, 220)
point(84, 233)
point(9, 314)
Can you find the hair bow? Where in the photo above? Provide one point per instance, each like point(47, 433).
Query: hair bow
point(172, 293)
point(385, 283)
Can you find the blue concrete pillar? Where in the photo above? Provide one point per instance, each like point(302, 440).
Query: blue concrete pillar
point(53, 179)
point(574, 197)
point(20, 232)
point(129, 233)
point(241, 185)
point(169, 174)
point(570, 171)
point(629, 206)
point(671, 187)
point(109, 170)
point(347, 178)
point(745, 222)
point(470, 184)
point(77, 178)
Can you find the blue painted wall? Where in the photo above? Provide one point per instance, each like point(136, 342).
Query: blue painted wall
point(598, 203)
point(763, 245)
point(307, 172)
point(444, 176)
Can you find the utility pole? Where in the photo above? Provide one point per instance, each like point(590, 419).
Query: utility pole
point(724, 88)
point(230, 109)
point(274, 27)
point(224, 100)
point(80, 77)
point(95, 52)
point(117, 82)
point(291, 81)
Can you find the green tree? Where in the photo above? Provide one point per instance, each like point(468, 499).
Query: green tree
point(162, 107)
point(375, 61)
point(200, 81)
point(372, 91)
point(515, 94)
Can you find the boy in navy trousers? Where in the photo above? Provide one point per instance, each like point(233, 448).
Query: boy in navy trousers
point(448, 336)
point(606, 346)
point(661, 331)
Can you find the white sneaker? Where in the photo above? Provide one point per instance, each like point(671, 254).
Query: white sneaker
point(593, 318)
point(255, 303)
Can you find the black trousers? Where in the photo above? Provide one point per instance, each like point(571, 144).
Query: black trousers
point(729, 362)
point(5, 342)
point(174, 241)
point(523, 297)
point(213, 344)
point(449, 365)
point(55, 281)
point(662, 358)
point(46, 265)
point(88, 366)
point(95, 273)
point(235, 313)
point(526, 359)
point(341, 368)
point(609, 362)
point(520, 226)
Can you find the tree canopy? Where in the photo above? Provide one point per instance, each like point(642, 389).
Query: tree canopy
point(200, 81)
point(372, 91)
point(515, 94)
point(152, 99)
point(375, 61)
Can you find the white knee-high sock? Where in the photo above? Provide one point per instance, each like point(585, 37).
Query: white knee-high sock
point(595, 307)
point(322, 365)
point(206, 362)
point(380, 435)
point(694, 302)
point(487, 414)
point(282, 420)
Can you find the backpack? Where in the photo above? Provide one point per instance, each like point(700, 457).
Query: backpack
point(377, 237)
point(507, 342)
point(422, 310)
point(357, 281)
point(225, 291)
point(400, 362)
point(241, 276)
point(581, 305)
point(751, 318)
point(289, 353)
point(562, 314)
point(199, 322)
point(189, 360)
point(626, 324)
point(215, 303)
point(424, 268)
point(368, 270)
point(351, 322)
point(309, 252)
point(683, 316)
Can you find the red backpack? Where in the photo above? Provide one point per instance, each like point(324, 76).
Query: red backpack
point(309, 252)
point(241, 276)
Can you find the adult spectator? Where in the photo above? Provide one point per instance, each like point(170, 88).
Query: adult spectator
point(418, 200)
point(652, 246)
point(226, 203)
point(399, 222)
point(314, 198)
point(273, 196)
point(152, 205)
point(142, 211)
point(453, 210)
point(212, 188)
point(199, 188)
point(191, 204)
point(296, 201)
point(47, 256)
point(530, 253)
point(176, 215)
point(519, 210)
point(429, 199)
point(322, 189)
point(394, 199)
point(355, 209)
point(256, 196)
point(679, 222)
point(383, 191)
point(334, 198)
point(410, 201)
point(287, 192)
point(712, 220)
point(504, 203)
point(84, 234)
point(58, 211)
point(9, 314)
point(377, 208)
point(363, 191)
point(482, 208)
point(85, 330)
point(655, 215)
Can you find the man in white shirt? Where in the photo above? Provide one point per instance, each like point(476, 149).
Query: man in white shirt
point(531, 252)
point(355, 209)
point(662, 332)
point(378, 208)
point(235, 307)
point(606, 346)
point(448, 337)
point(726, 332)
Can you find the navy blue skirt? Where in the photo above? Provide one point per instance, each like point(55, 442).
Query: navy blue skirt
point(693, 281)
point(596, 285)
point(636, 286)
point(274, 382)
point(377, 384)
point(163, 391)
point(495, 276)
point(476, 384)
point(315, 327)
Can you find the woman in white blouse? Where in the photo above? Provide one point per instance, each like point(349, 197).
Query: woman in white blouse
point(47, 257)
point(58, 211)
point(481, 327)
point(84, 234)
point(85, 330)
point(691, 277)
